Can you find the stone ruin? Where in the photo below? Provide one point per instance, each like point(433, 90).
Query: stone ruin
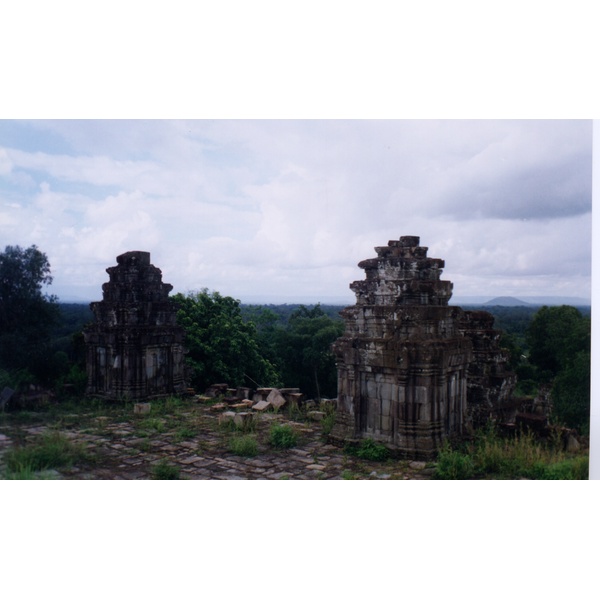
point(412, 370)
point(135, 347)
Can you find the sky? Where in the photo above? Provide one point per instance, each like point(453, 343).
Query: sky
point(283, 210)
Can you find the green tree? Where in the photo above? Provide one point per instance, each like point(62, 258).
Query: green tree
point(268, 325)
point(27, 315)
point(559, 340)
point(571, 393)
point(304, 349)
point(555, 336)
point(222, 348)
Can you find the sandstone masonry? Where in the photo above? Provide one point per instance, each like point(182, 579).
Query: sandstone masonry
point(411, 369)
point(134, 347)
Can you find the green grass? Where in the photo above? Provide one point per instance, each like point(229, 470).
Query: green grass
point(144, 445)
point(26, 472)
point(185, 432)
point(167, 406)
point(164, 470)
point(490, 456)
point(51, 450)
point(150, 426)
point(244, 445)
point(282, 436)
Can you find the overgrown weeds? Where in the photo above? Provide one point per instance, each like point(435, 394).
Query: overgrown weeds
point(282, 436)
point(164, 470)
point(244, 445)
point(51, 450)
point(329, 419)
point(171, 405)
point(521, 457)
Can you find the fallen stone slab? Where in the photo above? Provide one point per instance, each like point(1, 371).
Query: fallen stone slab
point(276, 399)
point(142, 408)
point(243, 419)
point(202, 398)
point(294, 398)
point(262, 405)
point(281, 475)
point(226, 417)
point(316, 415)
point(315, 467)
point(216, 389)
point(417, 464)
point(189, 460)
point(329, 403)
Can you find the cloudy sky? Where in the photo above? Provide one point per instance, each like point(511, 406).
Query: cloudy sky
point(283, 210)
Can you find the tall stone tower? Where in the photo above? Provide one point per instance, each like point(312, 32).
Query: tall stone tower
point(406, 357)
point(134, 347)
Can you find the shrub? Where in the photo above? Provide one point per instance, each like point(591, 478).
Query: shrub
point(282, 436)
point(328, 423)
point(452, 464)
point(369, 449)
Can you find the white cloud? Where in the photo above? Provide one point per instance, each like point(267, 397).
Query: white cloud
point(257, 207)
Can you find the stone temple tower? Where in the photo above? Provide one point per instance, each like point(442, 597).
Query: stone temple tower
point(134, 347)
point(406, 358)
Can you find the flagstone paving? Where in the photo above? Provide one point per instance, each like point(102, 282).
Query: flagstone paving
point(132, 447)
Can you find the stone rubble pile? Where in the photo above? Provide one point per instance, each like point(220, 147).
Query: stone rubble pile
point(260, 400)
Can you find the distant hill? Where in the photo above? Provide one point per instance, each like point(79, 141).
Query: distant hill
point(523, 301)
point(506, 301)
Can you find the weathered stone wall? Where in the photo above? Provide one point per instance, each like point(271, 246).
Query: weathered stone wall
point(134, 347)
point(490, 382)
point(407, 361)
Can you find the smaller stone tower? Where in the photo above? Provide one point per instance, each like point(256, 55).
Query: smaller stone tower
point(134, 347)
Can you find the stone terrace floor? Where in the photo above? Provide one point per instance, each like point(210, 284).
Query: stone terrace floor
point(189, 437)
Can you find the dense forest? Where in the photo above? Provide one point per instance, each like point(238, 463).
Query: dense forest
point(41, 341)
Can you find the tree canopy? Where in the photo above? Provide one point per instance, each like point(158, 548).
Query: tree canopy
point(26, 313)
point(222, 348)
point(304, 351)
point(559, 340)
